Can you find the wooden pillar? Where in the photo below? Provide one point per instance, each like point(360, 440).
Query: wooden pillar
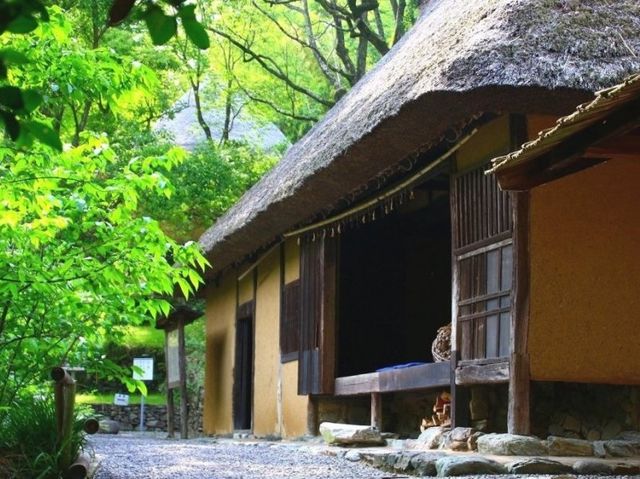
point(312, 416)
point(184, 409)
point(170, 403)
point(170, 414)
point(376, 411)
point(518, 420)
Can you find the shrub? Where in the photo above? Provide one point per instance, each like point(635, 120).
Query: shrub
point(28, 440)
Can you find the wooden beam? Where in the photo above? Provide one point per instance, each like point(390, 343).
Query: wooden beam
point(425, 376)
point(472, 373)
point(358, 384)
point(376, 411)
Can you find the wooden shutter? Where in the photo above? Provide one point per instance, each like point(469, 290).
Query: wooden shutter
point(290, 324)
point(483, 251)
point(316, 373)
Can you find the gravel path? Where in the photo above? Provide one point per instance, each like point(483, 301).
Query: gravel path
point(126, 456)
point(134, 455)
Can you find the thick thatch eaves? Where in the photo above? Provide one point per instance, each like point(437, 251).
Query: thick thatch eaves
point(460, 59)
point(564, 148)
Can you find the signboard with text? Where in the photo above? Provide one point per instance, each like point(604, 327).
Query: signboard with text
point(146, 364)
point(121, 399)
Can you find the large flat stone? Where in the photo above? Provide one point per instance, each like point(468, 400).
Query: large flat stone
point(431, 438)
point(619, 448)
point(350, 434)
point(538, 465)
point(592, 467)
point(467, 466)
point(563, 446)
point(511, 445)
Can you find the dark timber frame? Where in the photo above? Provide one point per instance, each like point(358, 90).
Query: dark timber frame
point(518, 419)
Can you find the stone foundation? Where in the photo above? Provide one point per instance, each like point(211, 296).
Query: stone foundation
point(584, 411)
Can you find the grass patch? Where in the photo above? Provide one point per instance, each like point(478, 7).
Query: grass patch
point(153, 399)
point(143, 337)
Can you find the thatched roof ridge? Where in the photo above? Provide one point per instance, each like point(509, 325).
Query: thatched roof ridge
point(462, 57)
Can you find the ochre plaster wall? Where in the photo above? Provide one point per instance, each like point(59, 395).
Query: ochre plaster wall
point(245, 289)
point(585, 276)
point(294, 407)
point(266, 420)
point(220, 343)
point(491, 140)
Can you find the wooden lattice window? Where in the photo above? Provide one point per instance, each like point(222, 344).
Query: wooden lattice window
point(484, 256)
point(290, 323)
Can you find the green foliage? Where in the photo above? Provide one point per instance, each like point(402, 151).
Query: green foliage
point(205, 185)
point(28, 440)
point(17, 104)
point(76, 261)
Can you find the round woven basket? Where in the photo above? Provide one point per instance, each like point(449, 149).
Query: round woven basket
point(441, 346)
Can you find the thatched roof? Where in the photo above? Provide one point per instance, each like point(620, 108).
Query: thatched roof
point(613, 112)
point(462, 57)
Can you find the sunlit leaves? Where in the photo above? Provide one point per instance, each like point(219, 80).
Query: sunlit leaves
point(76, 256)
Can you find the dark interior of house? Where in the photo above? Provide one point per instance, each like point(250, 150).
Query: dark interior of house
point(394, 284)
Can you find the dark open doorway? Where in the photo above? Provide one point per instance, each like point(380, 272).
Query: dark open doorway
point(243, 374)
point(395, 283)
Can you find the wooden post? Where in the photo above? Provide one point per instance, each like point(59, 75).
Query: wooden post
point(170, 403)
point(518, 420)
point(184, 418)
point(376, 411)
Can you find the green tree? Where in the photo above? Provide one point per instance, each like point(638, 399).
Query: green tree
point(75, 258)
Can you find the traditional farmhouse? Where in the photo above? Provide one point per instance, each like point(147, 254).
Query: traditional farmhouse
point(333, 275)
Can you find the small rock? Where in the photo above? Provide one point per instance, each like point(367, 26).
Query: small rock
point(511, 445)
point(625, 469)
point(472, 443)
point(570, 423)
point(391, 459)
point(611, 430)
point(458, 446)
point(466, 466)
point(353, 456)
point(598, 449)
point(424, 464)
point(403, 463)
point(461, 434)
point(431, 438)
point(538, 465)
point(350, 434)
point(591, 466)
point(109, 426)
point(562, 446)
point(620, 448)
